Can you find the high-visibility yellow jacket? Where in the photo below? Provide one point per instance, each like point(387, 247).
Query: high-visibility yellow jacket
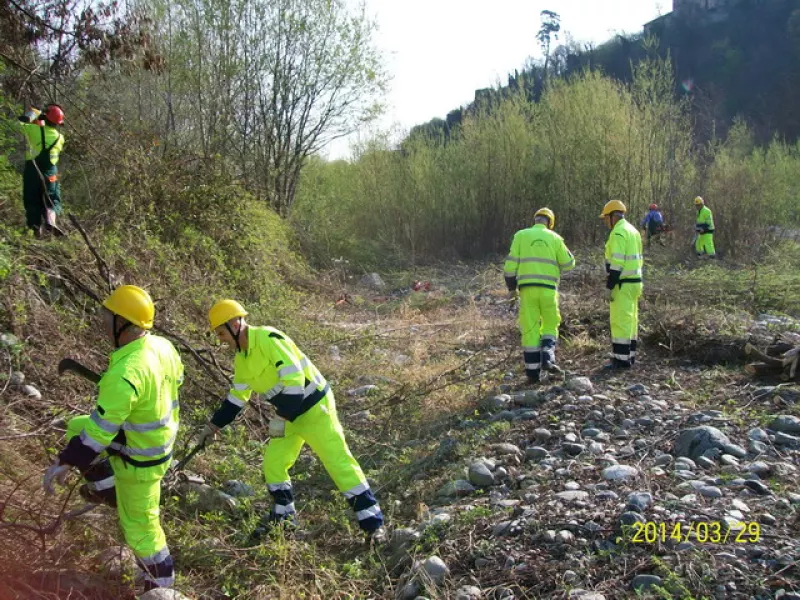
point(276, 368)
point(137, 411)
point(52, 139)
point(624, 258)
point(705, 221)
point(537, 257)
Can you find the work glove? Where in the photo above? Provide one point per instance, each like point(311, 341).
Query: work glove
point(56, 473)
point(30, 115)
point(277, 427)
point(209, 434)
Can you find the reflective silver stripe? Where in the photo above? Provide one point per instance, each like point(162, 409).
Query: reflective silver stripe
point(317, 382)
point(103, 484)
point(356, 491)
point(616, 267)
point(634, 272)
point(510, 258)
point(510, 274)
point(241, 387)
point(372, 511)
point(283, 485)
point(269, 394)
point(292, 389)
point(234, 400)
point(534, 259)
point(106, 426)
point(294, 367)
point(545, 277)
point(288, 370)
point(89, 441)
point(152, 425)
point(567, 265)
point(621, 356)
point(626, 256)
point(156, 558)
point(533, 366)
point(284, 509)
point(531, 348)
point(152, 451)
point(143, 427)
point(620, 341)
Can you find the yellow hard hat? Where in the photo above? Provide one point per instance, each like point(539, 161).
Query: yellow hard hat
point(132, 304)
point(613, 206)
point(698, 201)
point(546, 212)
point(223, 311)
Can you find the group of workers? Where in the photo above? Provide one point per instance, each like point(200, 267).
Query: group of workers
point(654, 225)
point(538, 256)
point(124, 448)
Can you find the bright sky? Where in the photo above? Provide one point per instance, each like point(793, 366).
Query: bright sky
point(439, 52)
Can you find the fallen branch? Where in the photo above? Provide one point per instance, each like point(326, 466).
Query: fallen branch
point(102, 266)
point(785, 365)
point(751, 350)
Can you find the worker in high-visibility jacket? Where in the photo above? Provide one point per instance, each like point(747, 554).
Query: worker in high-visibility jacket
point(704, 230)
point(624, 262)
point(269, 363)
point(534, 265)
point(123, 448)
point(41, 190)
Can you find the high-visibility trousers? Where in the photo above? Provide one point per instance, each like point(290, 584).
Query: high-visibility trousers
point(539, 319)
point(624, 311)
point(321, 429)
point(138, 498)
point(704, 244)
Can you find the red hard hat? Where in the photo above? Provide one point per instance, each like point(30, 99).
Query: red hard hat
point(54, 114)
point(654, 207)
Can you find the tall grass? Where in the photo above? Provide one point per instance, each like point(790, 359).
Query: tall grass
point(588, 140)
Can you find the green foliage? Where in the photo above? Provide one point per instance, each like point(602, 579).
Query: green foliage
point(754, 190)
point(588, 140)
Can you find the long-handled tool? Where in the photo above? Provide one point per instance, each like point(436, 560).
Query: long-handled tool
point(182, 462)
point(69, 364)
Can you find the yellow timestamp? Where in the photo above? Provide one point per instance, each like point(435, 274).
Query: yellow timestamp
point(704, 532)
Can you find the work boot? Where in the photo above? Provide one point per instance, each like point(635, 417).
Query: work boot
point(150, 586)
point(533, 379)
point(615, 365)
point(552, 367)
point(378, 537)
point(269, 523)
